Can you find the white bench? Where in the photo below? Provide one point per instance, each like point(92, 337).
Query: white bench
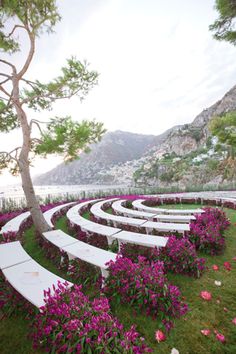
point(138, 203)
point(81, 250)
point(166, 227)
point(118, 207)
point(97, 211)
point(110, 232)
point(148, 225)
point(140, 239)
point(87, 225)
point(175, 218)
point(48, 215)
point(25, 275)
point(73, 214)
point(14, 224)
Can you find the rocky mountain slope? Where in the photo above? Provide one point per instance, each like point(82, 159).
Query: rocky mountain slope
point(181, 155)
point(115, 149)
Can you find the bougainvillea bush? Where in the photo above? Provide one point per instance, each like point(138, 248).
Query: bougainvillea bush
point(206, 232)
point(71, 323)
point(180, 256)
point(145, 287)
point(132, 251)
point(11, 302)
point(9, 237)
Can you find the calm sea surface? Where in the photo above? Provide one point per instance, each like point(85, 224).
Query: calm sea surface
point(17, 192)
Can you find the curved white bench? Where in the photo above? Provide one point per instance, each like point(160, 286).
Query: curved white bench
point(88, 225)
point(97, 211)
point(111, 232)
point(48, 215)
point(138, 203)
point(14, 224)
point(78, 249)
point(118, 207)
point(140, 239)
point(25, 275)
point(166, 227)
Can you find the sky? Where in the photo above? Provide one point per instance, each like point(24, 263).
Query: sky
point(158, 64)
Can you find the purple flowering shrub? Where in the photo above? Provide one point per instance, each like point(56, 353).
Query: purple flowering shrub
point(145, 287)
point(92, 239)
point(132, 251)
point(206, 232)
point(71, 323)
point(9, 236)
point(152, 202)
point(180, 256)
point(5, 217)
point(84, 273)
point(11, 302)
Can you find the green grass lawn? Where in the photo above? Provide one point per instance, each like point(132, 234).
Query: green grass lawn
point(216, 314)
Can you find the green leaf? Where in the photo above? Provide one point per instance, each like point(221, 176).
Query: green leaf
point(69, 138)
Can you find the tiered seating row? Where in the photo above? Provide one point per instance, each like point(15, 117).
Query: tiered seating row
point(28, 277)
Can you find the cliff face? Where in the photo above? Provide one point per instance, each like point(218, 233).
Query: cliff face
point(189, 154)
point(181, 155)
point(116, 148)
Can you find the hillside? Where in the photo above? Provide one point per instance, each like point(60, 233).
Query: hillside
point(189, 155)
point(181, 155)
point(115, 148)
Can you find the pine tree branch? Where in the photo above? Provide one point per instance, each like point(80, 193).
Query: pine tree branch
point(37, 123)
point(9, 64)
point(14, 28)
point(5, 92)
point(30, 54)
point(8, 154)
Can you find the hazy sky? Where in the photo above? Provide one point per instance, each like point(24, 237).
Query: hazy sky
point(158, 63)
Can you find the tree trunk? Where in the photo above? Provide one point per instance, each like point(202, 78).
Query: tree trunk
point(23, 163)
point(32, 202)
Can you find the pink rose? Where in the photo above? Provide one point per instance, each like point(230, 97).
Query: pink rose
point(205, 332)
point(215, 267)
point(234, 321)
point(205, 295)
point(234, 258)
point(220, 337)
point(160, 336)
point(227, 265)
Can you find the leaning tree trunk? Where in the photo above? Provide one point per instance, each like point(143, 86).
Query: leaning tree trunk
point(32, 202)
point(23, 163)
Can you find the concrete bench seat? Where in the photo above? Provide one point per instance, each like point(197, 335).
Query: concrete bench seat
point(118, 207)
point(14, 224)
point(138, 204)
point(87, 225)
point(96, 210)
point(175, 218)
point(81, 250)
point(59, 238)
point(140, 239)
point(25, 275)
point(48, 215)
point(166, 227)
